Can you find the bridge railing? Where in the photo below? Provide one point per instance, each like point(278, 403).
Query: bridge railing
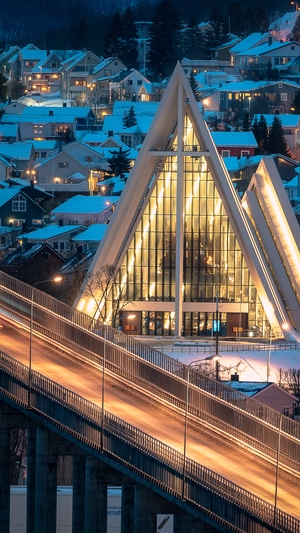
point(195, 487)
point(220, 407)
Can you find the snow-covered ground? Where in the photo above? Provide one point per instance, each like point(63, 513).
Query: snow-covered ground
point(249, 364)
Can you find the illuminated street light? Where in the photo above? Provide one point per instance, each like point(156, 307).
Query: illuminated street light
point(215, 358)
point(57, 279)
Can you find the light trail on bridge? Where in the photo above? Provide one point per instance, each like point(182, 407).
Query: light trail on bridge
point(249, 472)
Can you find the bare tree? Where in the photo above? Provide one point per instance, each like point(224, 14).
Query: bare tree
point(18, 454)
point(109, 293)
point(289, 379)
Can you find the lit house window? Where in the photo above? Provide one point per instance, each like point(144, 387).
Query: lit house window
point(19, 203)
point(63, 165)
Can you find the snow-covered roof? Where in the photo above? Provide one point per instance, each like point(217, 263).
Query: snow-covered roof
point(8, 130)
point(247, 86)
point(266, 48)
point(287, 121)
point(49, 232)
point(234, 138)
point(250, 42)
point(17, 150)
point(93, 233)
point(86, 204)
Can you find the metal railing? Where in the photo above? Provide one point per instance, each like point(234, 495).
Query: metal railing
point(206, 494)
point(219, 407)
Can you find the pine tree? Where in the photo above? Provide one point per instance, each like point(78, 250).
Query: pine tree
point(215, 33)
point(192, 41)
point(277, 141)
point(119, 163)
point(246, 124)
point(129, 119)
point(260, 132)
point(129, 36)
point(3, 88)
point(113, 43)
point(236, 19)
point(194, 84)
point(164, 40)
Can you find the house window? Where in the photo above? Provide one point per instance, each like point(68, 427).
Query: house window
point(61, 245)
point(107, 72)
point(53, 65)
point(244, 153)
point(43, 155)
point(19, 203)
point(63, 165)
point(225, 153)
point(283, 97)
point(55, 245)
point(129, 82)
point(139, 82)
point(88, 159)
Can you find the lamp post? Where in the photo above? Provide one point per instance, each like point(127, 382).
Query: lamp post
point(277, 470)
point(103, 387)
point(57, 279)
point(209, 358)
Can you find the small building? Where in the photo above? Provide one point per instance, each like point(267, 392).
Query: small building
point(269, 394)
point(85, 210)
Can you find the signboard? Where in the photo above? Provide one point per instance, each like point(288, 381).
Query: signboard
point(237, 330)
point(165, 523)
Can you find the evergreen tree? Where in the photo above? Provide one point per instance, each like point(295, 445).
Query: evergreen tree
point(164, 40)
point(129, 119)
point(129, 36)
point(262, 21)
point(119, 163)
point(215, 33)
point(113, 43)
point(271, 74)
point(194, 84)
point(246, 124)
point(236, 19)
point(192, 41)
point(260, 132)
point(277, 141)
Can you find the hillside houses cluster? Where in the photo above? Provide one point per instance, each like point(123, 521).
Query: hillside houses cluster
point(57, 192)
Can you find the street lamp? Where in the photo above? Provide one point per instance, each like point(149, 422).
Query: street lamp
point(215, 358)
point(57, 279)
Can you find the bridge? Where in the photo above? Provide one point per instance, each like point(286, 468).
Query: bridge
point(157, 481)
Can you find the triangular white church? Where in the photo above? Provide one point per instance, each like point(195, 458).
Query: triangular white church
point(191, 257)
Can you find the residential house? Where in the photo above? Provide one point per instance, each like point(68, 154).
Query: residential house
point(125, 85)
point(88, 240)
point(45, 75)
point(62, 175)
point(6, 168)
point(37, 125)
point(77, 73)
point(43, 149)
point(32, 262)
point(235, 143)
point(102, 75)
point(278, 96)
point(251, 42)
point(85, 210)
point(83, 117)
point(21, 157)
point(21, 207)
point(5, 57)
point(256, 61)
point(223, 51)
point(269, 394)
point(59, 237)
point(9, 133)
point(29, 57)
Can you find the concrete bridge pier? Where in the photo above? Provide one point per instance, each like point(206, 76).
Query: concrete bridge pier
point(4, 475)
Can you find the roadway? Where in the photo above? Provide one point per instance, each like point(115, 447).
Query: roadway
point(234, 464)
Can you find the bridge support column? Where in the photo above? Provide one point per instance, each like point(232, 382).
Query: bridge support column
point(31, 475)
point(127, 516)
point(78, 494)
point(4, 475)
point(95, 497)
point(45, 485)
